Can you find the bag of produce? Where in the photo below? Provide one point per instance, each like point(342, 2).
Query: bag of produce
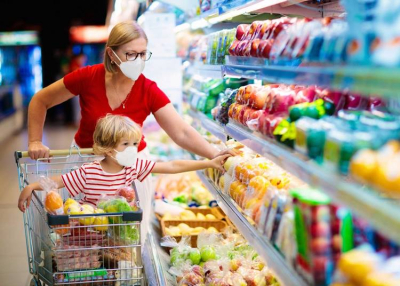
point(53, 201)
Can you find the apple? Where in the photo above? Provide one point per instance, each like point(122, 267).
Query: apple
point(265, 26)
point(247, 49)
point(241, 115)
point(320, 213)
point(248, 91)
point(283, 101)
point(320, 264)
point(264, 48)
point(241, 31)
point(207, 253)
point(236, 111)
point(337, 243)
point(305, 95)
point(374, 103)
point(195, 256)
point(242, 48)
point(334, 97)
point(230, 111)
point(233, 48)
point(127, 192)
point(240, 94)
point(254, 47)
point(355, 102)
point(320, 229)
point(253, 29)
point(260, 99)
point(246, 116)
point(253, 119)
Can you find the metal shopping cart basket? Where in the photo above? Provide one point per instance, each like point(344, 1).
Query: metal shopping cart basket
point(85, 249)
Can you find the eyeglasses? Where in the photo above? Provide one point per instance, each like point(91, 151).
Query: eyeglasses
point(143, 55)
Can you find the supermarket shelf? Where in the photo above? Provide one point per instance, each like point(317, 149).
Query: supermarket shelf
point(286, 274)
point(210, 125)
point(366, 80)
point(212, 71)
point(382, 213)
point(156, 259)
point(244, 7)
point(360, 199)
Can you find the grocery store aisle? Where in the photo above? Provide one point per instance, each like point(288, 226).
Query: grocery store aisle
point(13, 257)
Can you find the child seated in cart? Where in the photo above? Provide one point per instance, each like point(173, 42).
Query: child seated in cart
point(116, 138)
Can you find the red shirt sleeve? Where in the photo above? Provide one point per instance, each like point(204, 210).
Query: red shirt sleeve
point(158, 98)
point(74, 80)
point(143, 168)
point(75, 181)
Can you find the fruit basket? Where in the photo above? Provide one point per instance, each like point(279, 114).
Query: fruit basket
point(215, 211)
point(191, 228)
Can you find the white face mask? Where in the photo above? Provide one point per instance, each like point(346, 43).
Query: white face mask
point(128, 157)
point(131, 69)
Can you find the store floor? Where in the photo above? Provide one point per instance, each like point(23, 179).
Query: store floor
point(13, 257)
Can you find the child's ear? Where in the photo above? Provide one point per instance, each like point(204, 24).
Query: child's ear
point(109, 152)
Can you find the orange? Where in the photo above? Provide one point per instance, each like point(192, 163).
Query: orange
point(54, 203)
point(364, 165)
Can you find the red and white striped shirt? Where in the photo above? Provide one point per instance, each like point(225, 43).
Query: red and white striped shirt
point(92, 181)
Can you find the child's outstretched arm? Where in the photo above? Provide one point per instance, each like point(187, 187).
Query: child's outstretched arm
point(26, 194)
point(180, 166)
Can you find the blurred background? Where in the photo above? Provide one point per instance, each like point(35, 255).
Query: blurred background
point(40, 42)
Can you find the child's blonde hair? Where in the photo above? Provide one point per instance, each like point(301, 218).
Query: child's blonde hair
point(110, 129)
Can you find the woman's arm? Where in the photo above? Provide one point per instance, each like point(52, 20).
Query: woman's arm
point(44, 99)
point(181, 166)
point(26, 194)
point(185, 135)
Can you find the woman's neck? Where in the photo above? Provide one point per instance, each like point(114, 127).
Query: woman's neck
point(110, 165)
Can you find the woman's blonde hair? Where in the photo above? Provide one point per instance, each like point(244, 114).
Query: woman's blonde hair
point(122, 33)
point(110, 129)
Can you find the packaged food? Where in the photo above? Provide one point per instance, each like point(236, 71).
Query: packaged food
point(314, 257)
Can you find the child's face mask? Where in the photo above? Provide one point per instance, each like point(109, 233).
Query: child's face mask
point(128, 157)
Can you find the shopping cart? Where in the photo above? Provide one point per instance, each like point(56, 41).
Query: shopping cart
point(75, 249)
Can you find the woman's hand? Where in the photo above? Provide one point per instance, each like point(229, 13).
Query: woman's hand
point(231, 152)
point(25, 196)
point(218, 162)
point(37, 150)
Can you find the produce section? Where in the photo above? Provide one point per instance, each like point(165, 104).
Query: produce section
point(316, 104)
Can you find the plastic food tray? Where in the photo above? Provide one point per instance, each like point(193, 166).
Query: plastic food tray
point(218, 224)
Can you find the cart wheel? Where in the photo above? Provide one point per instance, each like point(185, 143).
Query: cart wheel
point(35, 282)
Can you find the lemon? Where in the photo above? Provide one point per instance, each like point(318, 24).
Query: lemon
point(100, 222)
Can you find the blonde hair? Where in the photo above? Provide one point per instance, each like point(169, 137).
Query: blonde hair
point(110, 129)
point(122, 33)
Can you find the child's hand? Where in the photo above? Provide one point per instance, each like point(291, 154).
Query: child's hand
point(25, 196)
point(218, 162)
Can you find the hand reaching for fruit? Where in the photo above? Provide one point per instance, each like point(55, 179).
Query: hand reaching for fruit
point(218, 162)
point(229, 151)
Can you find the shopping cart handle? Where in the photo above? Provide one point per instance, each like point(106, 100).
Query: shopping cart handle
point(63, 152)
point(53, 220)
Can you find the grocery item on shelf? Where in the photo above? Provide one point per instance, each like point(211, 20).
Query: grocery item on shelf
point(379, 169)
point(192, 228)
point(219, 259)
point(363, 266)
point(185, 190)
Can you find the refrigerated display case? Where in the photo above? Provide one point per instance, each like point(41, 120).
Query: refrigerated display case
point(20, 77)
point(349, 67)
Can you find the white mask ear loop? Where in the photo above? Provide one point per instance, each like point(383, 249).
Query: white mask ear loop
point(120, 62)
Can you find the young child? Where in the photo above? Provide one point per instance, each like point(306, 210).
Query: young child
point(117, 138)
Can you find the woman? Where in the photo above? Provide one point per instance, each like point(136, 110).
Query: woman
point(116, 86)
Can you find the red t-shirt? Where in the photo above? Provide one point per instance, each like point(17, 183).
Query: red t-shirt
point(89, 83)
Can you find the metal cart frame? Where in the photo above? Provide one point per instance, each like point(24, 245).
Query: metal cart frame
point(79, 249)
